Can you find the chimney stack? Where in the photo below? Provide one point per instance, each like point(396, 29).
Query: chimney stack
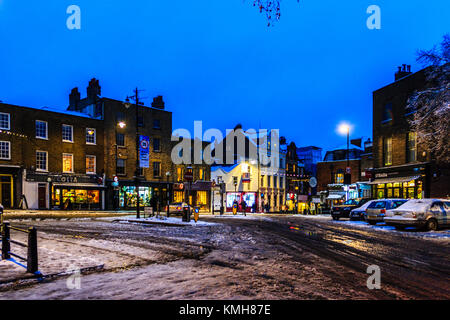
point(93, 90)
point(403, 71)
point(158, 102)
point(74, 99)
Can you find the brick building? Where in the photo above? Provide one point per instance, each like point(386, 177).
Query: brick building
point(50, 158)
point(119, 120)
point(401, 167)
point(331, 171)
point(297, 187)
point(198, 192)
point(96, 140)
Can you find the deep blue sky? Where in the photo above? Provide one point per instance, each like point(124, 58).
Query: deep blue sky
point(217, 61)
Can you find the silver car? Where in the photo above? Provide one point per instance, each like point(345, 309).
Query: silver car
point(376, 211)
point(358, 213)
point(421, 213)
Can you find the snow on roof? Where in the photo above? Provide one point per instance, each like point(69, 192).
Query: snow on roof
point(68, 112)
point(225, 168)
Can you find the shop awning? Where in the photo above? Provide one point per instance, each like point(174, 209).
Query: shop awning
point(335, 196)
point(394, 180)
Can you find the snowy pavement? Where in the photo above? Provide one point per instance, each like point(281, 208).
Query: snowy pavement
point(234, 257)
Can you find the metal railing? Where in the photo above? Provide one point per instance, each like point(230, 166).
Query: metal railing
point(32, 251)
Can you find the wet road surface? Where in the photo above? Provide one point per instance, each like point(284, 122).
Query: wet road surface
point(276, 257)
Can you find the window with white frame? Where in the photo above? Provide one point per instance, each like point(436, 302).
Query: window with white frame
point(67, 133)
point(41, 129)
point(41, 161)
point(67, 162)
point(5, 150)
point(5, 121)
point(90, 136)
point(90, 164)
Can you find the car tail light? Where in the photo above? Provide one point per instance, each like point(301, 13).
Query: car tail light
point(383, 211)
point(178, 208)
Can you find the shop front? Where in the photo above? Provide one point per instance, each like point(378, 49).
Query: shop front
point(9, 182)
point(151, 194)
point(250, 199)
point(68, 192)
point(403, 187)
point(200, 194)
point(406, 182)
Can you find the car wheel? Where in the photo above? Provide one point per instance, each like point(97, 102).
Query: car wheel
point(335, 218)
point(372, 223)
point(399, 228)
point(432, 225)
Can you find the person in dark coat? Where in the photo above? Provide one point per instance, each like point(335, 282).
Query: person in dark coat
point(243, 206)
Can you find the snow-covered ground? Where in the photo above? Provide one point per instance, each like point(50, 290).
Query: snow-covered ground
point(232, 257)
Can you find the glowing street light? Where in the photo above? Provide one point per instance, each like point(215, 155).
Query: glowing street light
point(344, 128)
point(122, 124)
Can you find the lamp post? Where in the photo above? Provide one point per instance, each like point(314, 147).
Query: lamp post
point(127, 104)
point(168, 194)
point(50, 193)
point(344, 128)
point(121, 125)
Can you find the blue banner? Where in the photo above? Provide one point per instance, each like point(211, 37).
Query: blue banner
point(144, 151)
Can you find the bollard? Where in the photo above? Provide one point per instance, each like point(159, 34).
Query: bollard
point(32, 257)
point(6, 246)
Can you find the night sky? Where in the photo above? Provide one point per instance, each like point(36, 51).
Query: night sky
point(218, 61)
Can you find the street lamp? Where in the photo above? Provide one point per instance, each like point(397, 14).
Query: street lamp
point(127, 105)
point(168, 199)
point(344, 128)
point(121, 125)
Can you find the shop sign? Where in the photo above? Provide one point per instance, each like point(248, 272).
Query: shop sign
point(246, 177)
point(144, 151)
point(178, 186)
point(201, 186)
point(59, 178)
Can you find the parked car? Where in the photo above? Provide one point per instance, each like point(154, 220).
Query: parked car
point(376, 211)
point(358, 213)
point(421, 213)
point(343, 210)
point(177, 207)
point(1, 208)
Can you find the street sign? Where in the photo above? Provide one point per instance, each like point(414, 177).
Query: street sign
point(348, 170)
point(313, 182)
point(144, 151)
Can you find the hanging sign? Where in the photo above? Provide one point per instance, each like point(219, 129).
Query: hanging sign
point(144, 151)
